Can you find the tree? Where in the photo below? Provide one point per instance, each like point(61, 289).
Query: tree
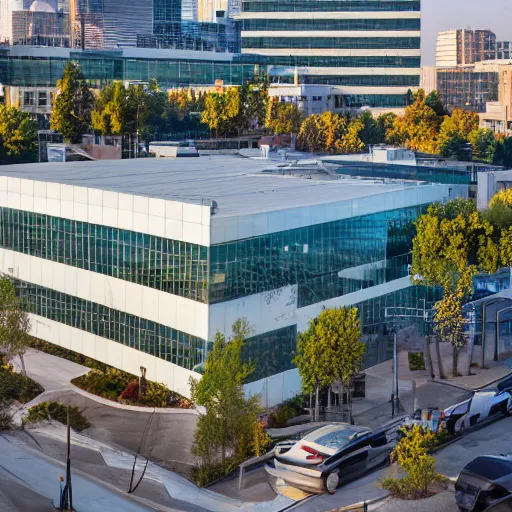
point(283, 117)
point(221, 111)
point(351, 141)
point(455, 132)
point(330, 350)
point(453, 242)
point(18, 136)
point(412, 455)
point(229, 424)
point(483, 142)
point(253, 105)
point(434, 102)
point(418, 128)
point(373, 131)
point(503, 153)
point(14, 323)
point(311, 137)
point(71, 115)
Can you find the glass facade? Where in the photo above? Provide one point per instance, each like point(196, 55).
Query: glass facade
point(274, 351)
point(324, 260)
point(345, 62)
point(467, 89)
point(330, 5)
point(132, 331)
point(330, 24)
point(351, 43)
point(103, 67)
point(176, 267)
point(355, 80)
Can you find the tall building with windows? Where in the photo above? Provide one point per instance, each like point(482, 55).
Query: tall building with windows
point(140, 265)
point(368, 52)
point(464, 47)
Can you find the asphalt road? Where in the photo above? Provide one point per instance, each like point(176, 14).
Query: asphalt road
point(494, 439)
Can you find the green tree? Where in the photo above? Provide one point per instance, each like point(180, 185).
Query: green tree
point(483, 142)
point(434, 102)
point(386, 124)
point(330, 350)
point(18, 136)
point(253, 104)
point(283, 117)
point(311, 136)
point(71, 115)
point(455, 132)
point(14, 323)
point(373, 131)
point(503, 153)
point(230, 420)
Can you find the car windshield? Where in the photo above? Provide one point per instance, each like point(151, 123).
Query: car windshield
point(335, 436)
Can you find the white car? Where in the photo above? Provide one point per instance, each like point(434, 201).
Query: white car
point(484, 404)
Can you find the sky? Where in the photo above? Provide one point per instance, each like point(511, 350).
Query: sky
point(438, 15)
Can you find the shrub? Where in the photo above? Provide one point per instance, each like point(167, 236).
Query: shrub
point(262, 441)
point(416, 361)
point(5, 415)
point(419, 467)
point(58, 412)
point(16, 386)
point(280, 417)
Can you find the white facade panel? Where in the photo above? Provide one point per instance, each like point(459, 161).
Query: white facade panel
point(179, 221)
point(179, 313)
point(113, 353)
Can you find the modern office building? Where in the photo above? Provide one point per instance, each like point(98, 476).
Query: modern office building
point(503, 50)
point(468, 87)
point(497, 115)
point(367, 53)
point(140, 264)
point(464, 47)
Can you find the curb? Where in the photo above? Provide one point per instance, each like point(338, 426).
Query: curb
point(371, 501)
point(470, 390)
point(110, 403)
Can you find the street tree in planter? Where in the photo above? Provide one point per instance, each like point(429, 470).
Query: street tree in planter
point(330, 350)
point(230, 422)
point(453, 243)
point(71, 115)
point(14, 323)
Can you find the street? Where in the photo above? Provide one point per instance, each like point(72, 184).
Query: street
point(493, 439)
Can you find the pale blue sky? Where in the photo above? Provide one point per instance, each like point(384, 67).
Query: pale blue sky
point(438, 15)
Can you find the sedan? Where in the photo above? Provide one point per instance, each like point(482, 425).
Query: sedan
point(486, 482)
point(484, 404)
point(330, 456)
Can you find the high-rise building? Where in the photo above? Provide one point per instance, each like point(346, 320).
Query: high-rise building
point(368, 52)
point(6, 9)
point(464, 47)
point(504, 50)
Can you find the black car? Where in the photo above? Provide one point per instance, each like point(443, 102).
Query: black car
point(330, 456)
point(483, 482)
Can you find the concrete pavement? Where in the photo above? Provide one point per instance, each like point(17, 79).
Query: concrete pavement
point(51, 372)
point(41, 475)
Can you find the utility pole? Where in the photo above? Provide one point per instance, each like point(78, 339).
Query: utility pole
point(66, 498)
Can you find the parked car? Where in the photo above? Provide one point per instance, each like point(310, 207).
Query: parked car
point(482, 405)
point(484, 483)
point(331, 455)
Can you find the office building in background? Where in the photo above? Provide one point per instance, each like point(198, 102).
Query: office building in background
point(364, 54)
point(464, 47)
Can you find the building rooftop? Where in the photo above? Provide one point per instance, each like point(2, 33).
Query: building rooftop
point(240, 186)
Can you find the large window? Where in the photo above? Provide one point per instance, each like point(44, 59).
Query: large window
point(172, 266)
point(150, 337)
point(331, 24)
point(345, 62)
point(329, 5)
point(324, 260)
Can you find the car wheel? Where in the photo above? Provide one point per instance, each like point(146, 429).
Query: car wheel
point(332, 480)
